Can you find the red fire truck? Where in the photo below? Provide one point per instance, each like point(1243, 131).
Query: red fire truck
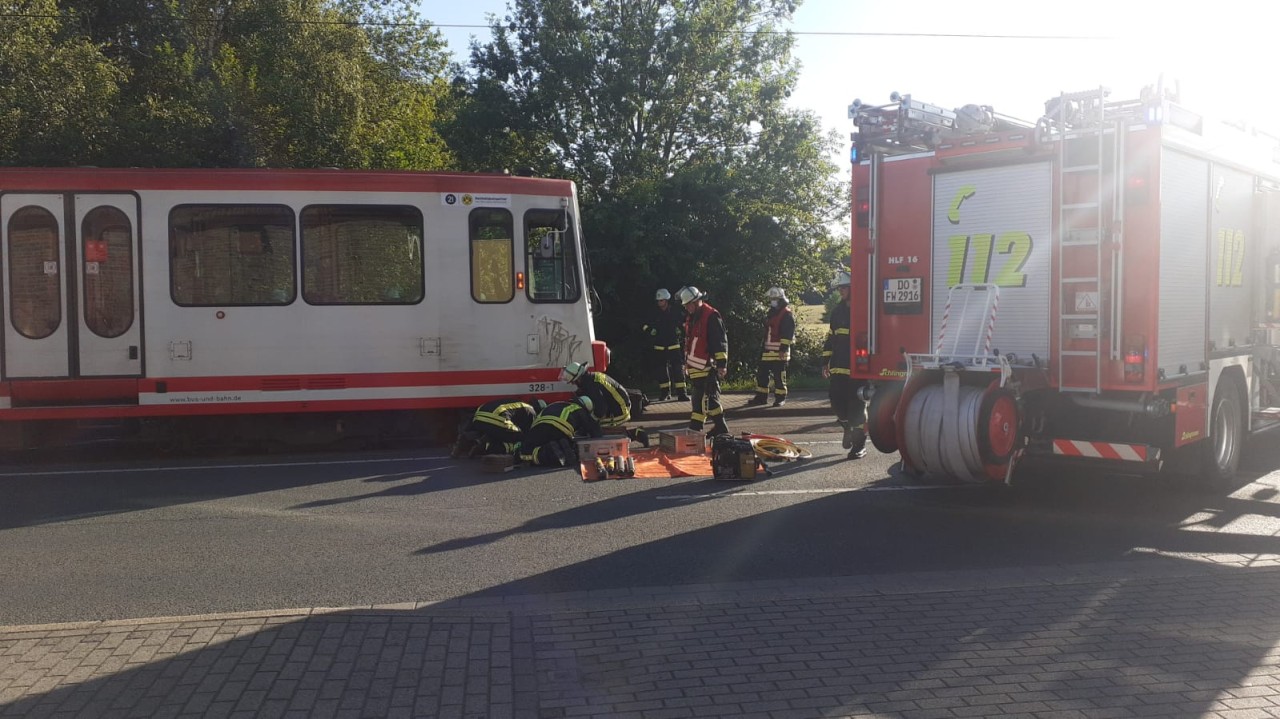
point(1103, 284)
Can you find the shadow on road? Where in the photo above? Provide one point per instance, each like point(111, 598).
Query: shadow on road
point(957, 601)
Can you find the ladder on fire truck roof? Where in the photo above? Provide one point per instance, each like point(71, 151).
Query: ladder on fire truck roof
point(1090, 150)
point(905, 125)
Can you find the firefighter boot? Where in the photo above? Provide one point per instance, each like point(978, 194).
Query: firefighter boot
point(759, 400)
point(641, 435)
point(570, 449)
point(720, 426)
point(847, 440)
point(858, 447)
point(558, 452)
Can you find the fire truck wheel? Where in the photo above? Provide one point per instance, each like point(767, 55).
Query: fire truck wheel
point(1221, 452)
point(880, 426)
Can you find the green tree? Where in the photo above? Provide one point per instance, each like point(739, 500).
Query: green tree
point(671, 116)
point(58, 91)
point(351, 83)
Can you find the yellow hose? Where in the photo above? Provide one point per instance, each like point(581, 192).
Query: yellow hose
point(776, 448)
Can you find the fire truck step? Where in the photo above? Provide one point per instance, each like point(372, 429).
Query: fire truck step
point(1264, 419)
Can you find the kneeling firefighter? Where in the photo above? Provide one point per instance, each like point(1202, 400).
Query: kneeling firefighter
point(611, 401)
point(496, 427)
point(550, 441)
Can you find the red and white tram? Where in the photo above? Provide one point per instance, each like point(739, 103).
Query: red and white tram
point(145, 293)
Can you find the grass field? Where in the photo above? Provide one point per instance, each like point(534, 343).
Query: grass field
point(810, 317)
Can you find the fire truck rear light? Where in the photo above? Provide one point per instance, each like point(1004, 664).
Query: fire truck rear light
point(1135, 360)
point(860, 353)
point(519, 280)
point(1135, 190)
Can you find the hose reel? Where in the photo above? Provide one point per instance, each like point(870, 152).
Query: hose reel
point(963, 431)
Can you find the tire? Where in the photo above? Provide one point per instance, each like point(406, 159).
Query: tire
point(880, 426)
point(1220, 453)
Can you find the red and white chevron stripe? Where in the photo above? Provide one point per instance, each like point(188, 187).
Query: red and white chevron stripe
point(942, 331)
point(1101, 450)
point(991, 322)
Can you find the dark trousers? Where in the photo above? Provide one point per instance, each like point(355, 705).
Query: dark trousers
point(777, 369)
point(669, 368)
point(706, 403)
point(849, 409)
point(545, 446)
point(494, 439)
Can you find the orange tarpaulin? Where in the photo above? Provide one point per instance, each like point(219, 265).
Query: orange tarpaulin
point(654, 464)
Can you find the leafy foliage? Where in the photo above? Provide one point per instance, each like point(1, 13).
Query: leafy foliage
point(301, 83)
point(671, 116)
point(58, 89)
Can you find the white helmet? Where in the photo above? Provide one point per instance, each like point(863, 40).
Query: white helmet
point(689, 294)
point(842, 279)
point(586, 403)
point(776, 293)
point(662, 295)
point(573, 372)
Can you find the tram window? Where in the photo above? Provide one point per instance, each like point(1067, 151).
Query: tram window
point(35, 273)
point(228, 255)
point(107, 237)
point(492, 246)
point(551, 258)
point(362, 255)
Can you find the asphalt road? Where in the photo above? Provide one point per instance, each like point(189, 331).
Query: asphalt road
point(156, 537)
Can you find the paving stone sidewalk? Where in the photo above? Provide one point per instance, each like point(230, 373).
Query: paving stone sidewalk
point(1154, 636)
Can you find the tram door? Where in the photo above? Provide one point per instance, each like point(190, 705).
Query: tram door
point(70, 290)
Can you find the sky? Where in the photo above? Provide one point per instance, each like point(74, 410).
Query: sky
point(1217, 53)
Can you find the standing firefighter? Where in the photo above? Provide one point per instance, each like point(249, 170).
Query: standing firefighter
point(610, 400)
point(497, 427)
point(850, 409)
point(780, 332)
point(664, 327)
point(706, 357)
point(552, 439)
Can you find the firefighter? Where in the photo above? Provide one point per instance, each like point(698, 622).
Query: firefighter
point(850, 409)
point(706, 357)
point(550, 441)
point(780, 332)
point(611, 400)
point(496, 427)
point(664, 327)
